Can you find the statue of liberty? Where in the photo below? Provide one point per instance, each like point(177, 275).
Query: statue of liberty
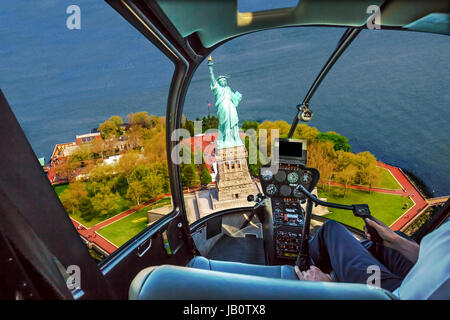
point(226, 103)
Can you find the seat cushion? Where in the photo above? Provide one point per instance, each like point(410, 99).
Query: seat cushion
point(180, 283)
point(277, 272)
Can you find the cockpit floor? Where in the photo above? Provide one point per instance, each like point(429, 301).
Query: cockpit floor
point(246, 250)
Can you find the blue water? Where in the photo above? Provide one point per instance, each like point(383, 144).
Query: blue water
point(389, 92)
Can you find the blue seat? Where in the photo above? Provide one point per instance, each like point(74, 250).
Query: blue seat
point(169, 282)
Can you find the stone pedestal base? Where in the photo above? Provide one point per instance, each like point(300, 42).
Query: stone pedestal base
point(233, 180)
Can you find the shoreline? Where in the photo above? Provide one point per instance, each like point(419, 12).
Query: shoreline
point(418, 183)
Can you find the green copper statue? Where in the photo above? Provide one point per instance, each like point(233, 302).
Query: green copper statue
point(226, 103)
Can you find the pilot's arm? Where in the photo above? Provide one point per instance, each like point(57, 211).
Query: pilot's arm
point(407, 248)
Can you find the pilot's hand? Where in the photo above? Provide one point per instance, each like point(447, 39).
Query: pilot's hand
point(389, 237)
point(312, 274)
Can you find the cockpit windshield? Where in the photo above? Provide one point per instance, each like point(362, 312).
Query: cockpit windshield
point(378, 115)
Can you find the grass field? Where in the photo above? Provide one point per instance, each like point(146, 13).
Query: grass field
point(123, 230)
point(60, 189)
point(385, 207)
point(388, 181)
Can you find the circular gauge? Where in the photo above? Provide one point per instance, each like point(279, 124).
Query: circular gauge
point(285, 190)
point(297, 193)
point(280, 176)
point(266, 174)
point(271, 189)
point(306, 177)
point(292, 177)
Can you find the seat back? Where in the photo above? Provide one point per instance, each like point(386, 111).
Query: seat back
point(179, 283)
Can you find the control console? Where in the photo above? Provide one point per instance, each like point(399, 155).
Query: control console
point(279, 184)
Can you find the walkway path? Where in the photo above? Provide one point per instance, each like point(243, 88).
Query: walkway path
point(407, 190)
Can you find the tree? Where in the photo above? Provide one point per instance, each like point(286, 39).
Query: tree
point(98, 147)
point(321, 156)
point(116, 119)
point(135, 192)
point(86, 210)
point(368, 171)
point(189, 175)
point(127, 163)
point(155, 148)
point(344, 159)
point(303, 131)
point(209, 122)
point(144, 184)
point(189, 126)
point(205, 176)
point(109, 129)
point(347, 176)
point(72, 196)
point(82, 153)
point(140, 118)
point(66, 169)
point(135, 136)
point(102, 173)
point(250, 125)
point(105, 201)
point(153, 185)
point(340, 142)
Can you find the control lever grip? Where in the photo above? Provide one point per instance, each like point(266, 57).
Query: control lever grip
point(362, 211)
point(374, 236)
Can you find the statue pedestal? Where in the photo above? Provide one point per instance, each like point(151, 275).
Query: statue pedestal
point(233, 180)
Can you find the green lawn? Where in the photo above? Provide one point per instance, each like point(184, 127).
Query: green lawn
point(385, 207)
point(123, 230)
point(388, 181)
point(60, 188)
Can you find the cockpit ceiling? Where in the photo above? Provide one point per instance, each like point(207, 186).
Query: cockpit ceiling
point(218, 20)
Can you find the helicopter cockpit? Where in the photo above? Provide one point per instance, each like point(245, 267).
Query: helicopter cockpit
point(283, 225)
point(127, 212)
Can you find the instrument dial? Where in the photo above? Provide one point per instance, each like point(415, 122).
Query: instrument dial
point(292, 177)
point(297, 193)
point(271, 189)
point(267, 175)
point(285, 190)
point(280, 176)
point(306, 177)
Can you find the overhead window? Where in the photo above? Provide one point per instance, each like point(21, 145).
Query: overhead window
point(258, 5)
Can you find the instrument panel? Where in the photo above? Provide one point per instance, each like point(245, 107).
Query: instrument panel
point(282, 183)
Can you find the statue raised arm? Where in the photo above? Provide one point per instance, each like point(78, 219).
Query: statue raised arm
point(211, 71)
point(226, 103)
